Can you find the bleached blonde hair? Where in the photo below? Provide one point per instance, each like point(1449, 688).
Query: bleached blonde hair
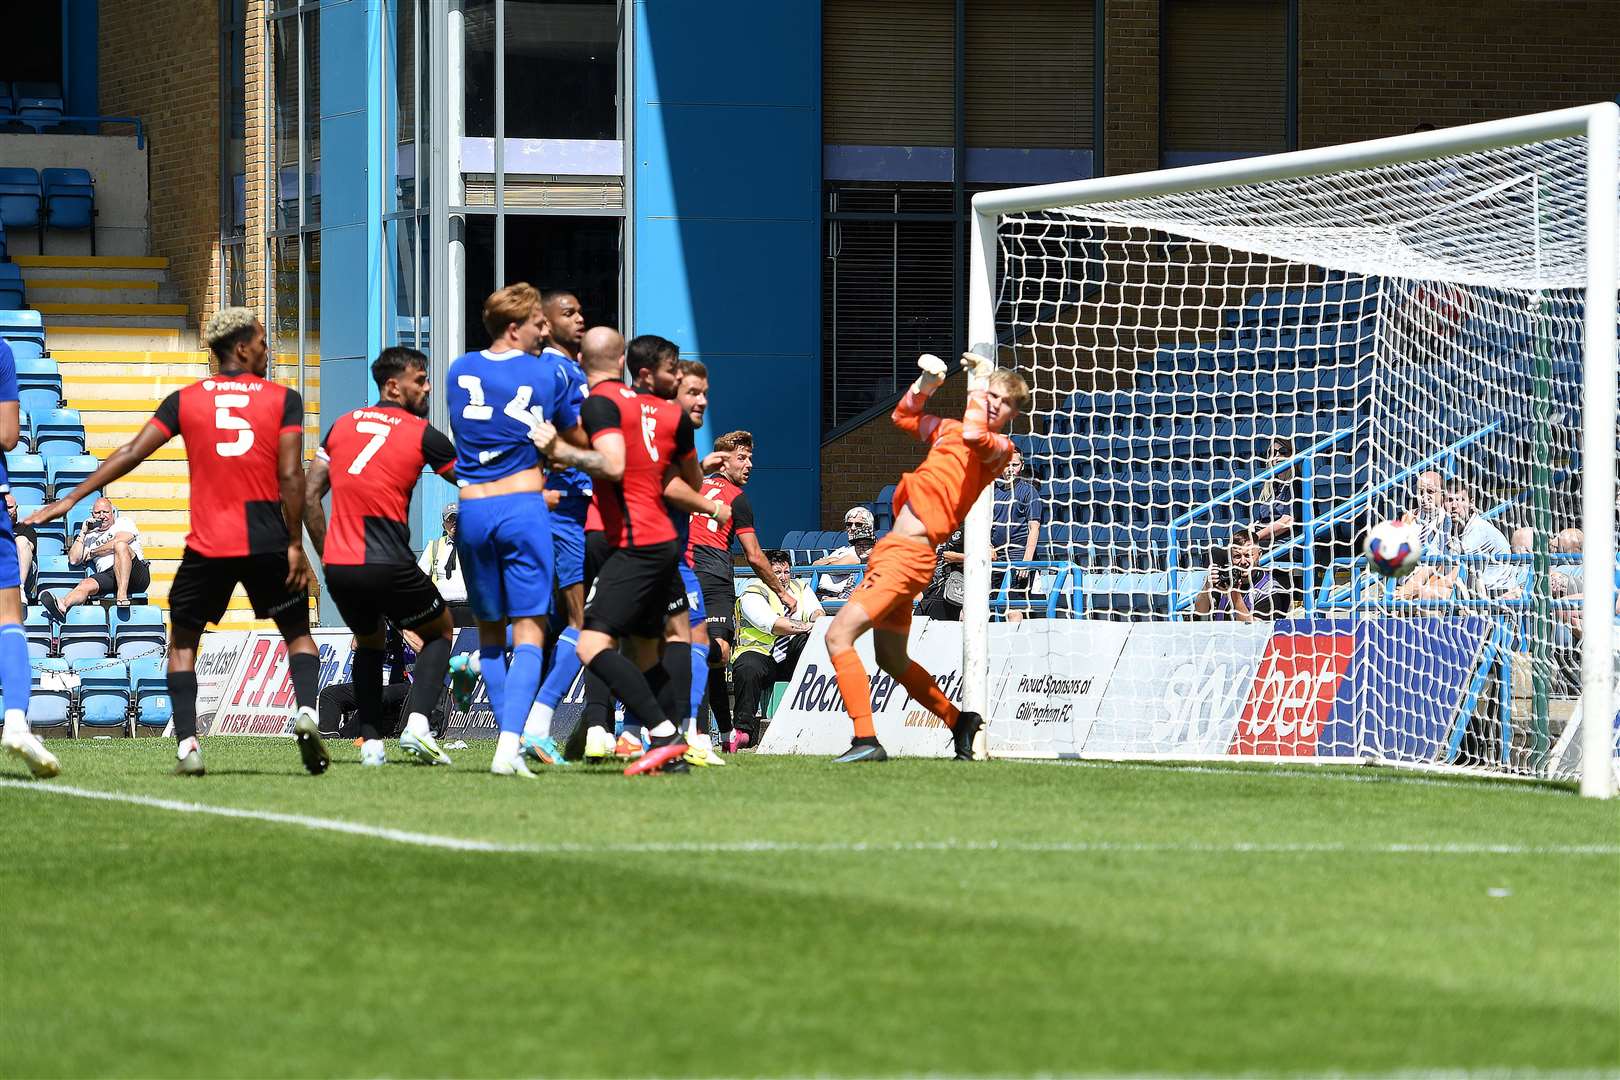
point(227, 322)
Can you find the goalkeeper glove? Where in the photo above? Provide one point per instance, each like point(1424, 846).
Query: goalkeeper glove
point(977, 366)
point(933, 373)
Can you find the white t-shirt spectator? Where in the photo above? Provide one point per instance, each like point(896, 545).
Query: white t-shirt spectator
point(121, 525)
point(1480, 537)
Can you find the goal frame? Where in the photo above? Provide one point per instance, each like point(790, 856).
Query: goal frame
point(1600, 125)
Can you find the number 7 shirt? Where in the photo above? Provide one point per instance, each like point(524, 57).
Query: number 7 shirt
point(232, 426)
point(375, 456)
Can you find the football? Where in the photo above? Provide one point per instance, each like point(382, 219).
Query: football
point(1392, 548)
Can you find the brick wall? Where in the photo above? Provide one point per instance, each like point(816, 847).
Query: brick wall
point(256, 155)
point(1131, 86)
point(160, 62)
point(1371, 69)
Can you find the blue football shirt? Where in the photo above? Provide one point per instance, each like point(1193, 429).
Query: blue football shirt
point(495, 400)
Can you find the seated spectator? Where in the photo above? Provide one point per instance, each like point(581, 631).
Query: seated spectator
point(27, 551)
point(1428, 581)
point(442, 565)
point(336, 708)
point(1472, 534)
point(769, 640)
point(860, 529)
point(946, 589)
point(1016, 517)
point(1237, 589)
point(111, 545)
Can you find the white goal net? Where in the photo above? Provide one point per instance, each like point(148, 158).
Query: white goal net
point(1236, 370)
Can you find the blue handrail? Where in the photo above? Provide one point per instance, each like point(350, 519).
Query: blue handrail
point(41, 123)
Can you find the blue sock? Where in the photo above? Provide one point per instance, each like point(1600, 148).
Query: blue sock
point(700, 678)
point(14, 674)
point(492, 665)
point(564, 669)
point(522, 683)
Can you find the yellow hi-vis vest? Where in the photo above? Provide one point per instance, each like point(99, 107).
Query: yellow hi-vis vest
point(751, 639)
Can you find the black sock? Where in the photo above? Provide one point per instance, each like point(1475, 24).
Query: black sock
point(306, 678)
point(427, 677)
point(598, 711)
point(629, 686)
point(368, 684)
point(678, 666)
point(719, 700)
point(183, 699)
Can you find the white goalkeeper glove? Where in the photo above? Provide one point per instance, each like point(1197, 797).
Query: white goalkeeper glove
point(977, 366)
point(933, 373)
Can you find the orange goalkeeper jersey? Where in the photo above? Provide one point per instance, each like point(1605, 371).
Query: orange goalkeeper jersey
point(964, 456)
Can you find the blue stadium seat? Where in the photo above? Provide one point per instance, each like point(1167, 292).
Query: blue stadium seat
point(67, 472)
point(41, 633)
point(58, 432)
point(21, 201)
point(104, 693)
point(35, 402)
point(149, 682)
point(70, 201)
point(28, 477)
point(23, 329)
point(38, 104)
point(78, 516)
point(4, 249)
point(57, 574)
point(137, 630)
point(48, 545)
point(39, 373)
point(50, 701)
point(790, 540)
point(84, 635)
point(12, 292)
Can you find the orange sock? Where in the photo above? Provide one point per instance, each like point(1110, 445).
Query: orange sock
point(856, 687)
point(922, 687)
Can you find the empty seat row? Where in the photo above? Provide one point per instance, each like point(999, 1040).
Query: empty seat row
point(94, 632)
point(49, 199)
point(24, 331)
point(34, 476)
point(31, 105)
point(99, 694)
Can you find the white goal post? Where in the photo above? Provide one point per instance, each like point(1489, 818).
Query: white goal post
point(1393, 309)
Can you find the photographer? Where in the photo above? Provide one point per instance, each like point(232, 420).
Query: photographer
point(109, 542)
point(1237, 589)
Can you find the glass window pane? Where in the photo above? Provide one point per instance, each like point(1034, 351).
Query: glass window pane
point(564, 58)
point(578, 253)
point(312, 116)
point(232, 63)
point(312, 292)
point(284, 321)
point(478, 69)
point(284, 122)
point(401, 325)
point(402, 55)
point(480, 276)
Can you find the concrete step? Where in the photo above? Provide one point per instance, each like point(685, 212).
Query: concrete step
point(91, 262)
point(54, 292)
point(138, 370)
point(129, 276)
point(78, 332)
point(105, 310)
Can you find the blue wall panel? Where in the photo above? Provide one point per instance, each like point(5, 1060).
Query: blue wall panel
point(727, 223)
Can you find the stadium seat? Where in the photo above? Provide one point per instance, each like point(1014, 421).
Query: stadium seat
point(137, 630)
point(66, 473)
point(39, 373)
point(58, 432)
point(12, 292)
point(148, 681)
point(790, 540)
point(70, 201)
point(23, 328)
point(104, 693)
point(36, 401)
point(4, 251)
point(41, 633)
point(28, 477)
point(84, 635)
point(39, 105)
point(21, 200)
point(57, 574)
point(47, 545)
point(78, 515)
point(50, 700)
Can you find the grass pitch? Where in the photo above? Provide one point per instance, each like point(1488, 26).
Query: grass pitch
point(781, 916)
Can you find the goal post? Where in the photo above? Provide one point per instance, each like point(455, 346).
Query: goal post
point(1441, 304)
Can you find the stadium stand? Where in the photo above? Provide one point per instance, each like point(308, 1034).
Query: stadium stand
point(12, 293)
point(70, 201)
point(136, 630)
point(50, 702)
point(104, 693)
point(148, 684)
point(84, 636)
point(21, 201)
point(41, 633)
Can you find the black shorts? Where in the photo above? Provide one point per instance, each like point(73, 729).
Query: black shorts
point(398, 592)
point(203, 585)
point(635, 591)
point(720, 602)
point(597, 550)
point(140, 579)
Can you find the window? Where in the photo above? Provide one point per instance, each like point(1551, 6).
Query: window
point(1227, 79)
point(553, 251)
point(233, 150)
point(294, 179)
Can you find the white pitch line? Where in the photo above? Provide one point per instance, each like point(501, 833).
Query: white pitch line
point(1402, 778)
point(754, 847)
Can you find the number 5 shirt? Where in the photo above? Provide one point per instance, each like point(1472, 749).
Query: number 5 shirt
point(232, 425)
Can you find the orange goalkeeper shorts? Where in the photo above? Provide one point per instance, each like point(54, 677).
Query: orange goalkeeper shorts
point(897, 572)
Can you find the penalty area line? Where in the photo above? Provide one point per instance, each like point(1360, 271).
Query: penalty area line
point(766, 847)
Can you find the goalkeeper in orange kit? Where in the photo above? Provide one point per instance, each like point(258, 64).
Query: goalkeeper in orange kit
point(963, 458)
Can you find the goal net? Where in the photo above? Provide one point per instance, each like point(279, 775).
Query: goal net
point(1236, 370)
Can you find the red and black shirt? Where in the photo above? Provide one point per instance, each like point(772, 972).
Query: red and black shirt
point(710, 546)
point(232, 425)
point(657, 435)
point(375, 456)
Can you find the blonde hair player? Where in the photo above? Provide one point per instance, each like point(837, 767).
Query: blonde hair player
point(964, 457)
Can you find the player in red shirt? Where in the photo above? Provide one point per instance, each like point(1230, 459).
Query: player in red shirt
point(371, 459)
point(643, 437)
point(929, 505)
point(244, 444)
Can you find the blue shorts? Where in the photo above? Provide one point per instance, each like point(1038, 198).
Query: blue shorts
point(504, 543)
point(10, 572)
point(694, 595)
point(568, 541)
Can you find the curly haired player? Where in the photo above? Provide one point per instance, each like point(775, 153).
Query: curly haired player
point(963, 458)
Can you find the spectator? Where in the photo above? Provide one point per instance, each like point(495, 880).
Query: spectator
point(859, 528)
point(442, 565)
point(1017, 514)
point(1274, 509)
point(1472, 535)
point(943, 598)
point(27, 551)
point(1568, 578)
point(336, 706)
point(1428, 582)
point(1237, 589)
point(110, 543)
point(769, 640)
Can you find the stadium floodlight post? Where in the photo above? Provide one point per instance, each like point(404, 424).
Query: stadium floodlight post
point(1598, 124)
